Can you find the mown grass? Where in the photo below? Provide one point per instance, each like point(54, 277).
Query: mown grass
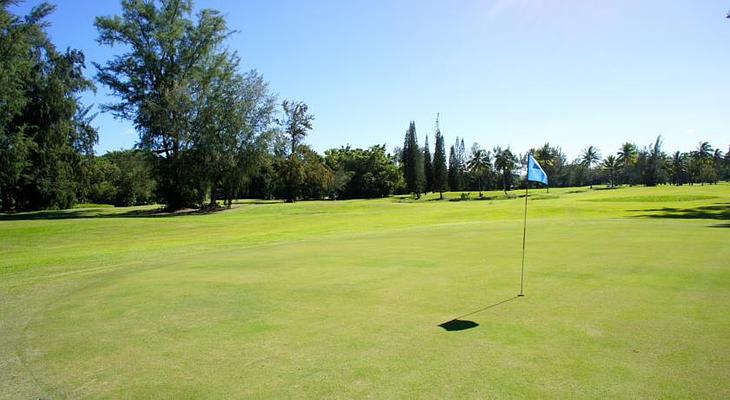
point(627, 297)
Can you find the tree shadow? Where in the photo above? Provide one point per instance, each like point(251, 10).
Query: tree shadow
point(92, 213)
point(259, 201)
point(718, 211)
point(459, 324)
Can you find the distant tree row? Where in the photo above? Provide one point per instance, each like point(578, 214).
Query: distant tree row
point(632, 165)
point(209, 133)
point(499, 168)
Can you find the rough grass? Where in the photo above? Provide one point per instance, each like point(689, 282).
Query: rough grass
point(625, 299)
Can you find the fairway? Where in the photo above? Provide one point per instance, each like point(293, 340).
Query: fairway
point(627, 296)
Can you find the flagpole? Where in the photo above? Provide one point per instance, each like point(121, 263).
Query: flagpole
point(524, 236)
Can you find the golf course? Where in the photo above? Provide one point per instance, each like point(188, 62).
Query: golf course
point(627, 293)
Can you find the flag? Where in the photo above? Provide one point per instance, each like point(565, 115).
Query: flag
point(535, 172)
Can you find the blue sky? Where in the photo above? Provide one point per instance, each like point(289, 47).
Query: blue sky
point(513, 73)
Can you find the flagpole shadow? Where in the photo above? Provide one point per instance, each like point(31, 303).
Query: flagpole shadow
point(459, 324)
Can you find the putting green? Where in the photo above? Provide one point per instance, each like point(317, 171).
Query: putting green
point(628, 292)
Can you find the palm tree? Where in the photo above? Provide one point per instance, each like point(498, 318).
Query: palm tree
point(704, 150)
point(590, 157)
point(504, 162)
point(701, 162)
point(611, 165)
point(479, 164)
point(678, 167)
point(718, 159)
point(654, 163)
point(627, 157)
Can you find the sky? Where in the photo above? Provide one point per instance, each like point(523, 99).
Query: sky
point(515, 73)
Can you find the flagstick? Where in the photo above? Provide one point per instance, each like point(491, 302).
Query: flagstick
point(524, 236)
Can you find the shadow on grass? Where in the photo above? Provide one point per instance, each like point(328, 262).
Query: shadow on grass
point(719, 211)
point(259, 202)
point(82, 213)
point(477, 198)
point(459, 324)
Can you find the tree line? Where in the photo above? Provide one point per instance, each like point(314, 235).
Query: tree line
point(210, 133)
point(500, 168)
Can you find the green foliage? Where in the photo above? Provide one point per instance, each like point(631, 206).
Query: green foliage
point(44, 130)
point(480, 165)
point(590, 157)
point(172, 82)
point(364, 173)
point(457, 166)
point(554, 162)
point(412, 162)
point(440, 172)
point(703, 165)
point(295, 124)
point(505, 163)
point(651, 163)
point(610, 166)
point(627, 158)
point(121, 178)
point(677, 168)
point(318, 181)
point(454, 182)
point(427, 167)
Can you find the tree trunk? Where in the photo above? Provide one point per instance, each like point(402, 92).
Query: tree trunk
point(6, 201)
point(590, 178)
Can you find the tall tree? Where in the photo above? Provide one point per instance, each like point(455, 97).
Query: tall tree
point(159, 80)
point(427, 167)
point(718, 161)
point(701, 164)
point(412, 161)
point(589, 158)
point(479, 164)
point(725, 172)
point(650, 164)
point(454, 170)
point(440, 173)
point(611, 166)
point(44, 129)
point(704, 150)
point(678, 168)
point(627, 158)
point(295, 124)
point(504, 163)
point(232, 128)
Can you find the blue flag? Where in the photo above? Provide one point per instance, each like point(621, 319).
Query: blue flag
point(535, 172)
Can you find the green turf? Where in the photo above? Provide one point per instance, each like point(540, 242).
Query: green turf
point(628, 296)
